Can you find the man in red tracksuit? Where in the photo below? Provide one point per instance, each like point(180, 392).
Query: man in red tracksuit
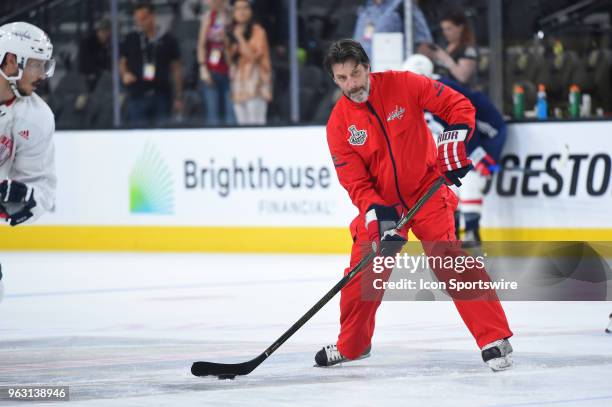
point(386, 159)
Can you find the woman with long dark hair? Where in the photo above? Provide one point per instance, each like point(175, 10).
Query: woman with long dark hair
point(458, 60)
point(250, 69)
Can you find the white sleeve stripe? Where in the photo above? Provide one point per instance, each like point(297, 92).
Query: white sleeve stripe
point(478, 155)
point(455, 146)
point(446, 159)
point(370, 216)
point(28, 194)
point(8, 190)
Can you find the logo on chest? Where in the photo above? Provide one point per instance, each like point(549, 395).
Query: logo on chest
point(358, 137)
point(398, 113)
point(6, 149)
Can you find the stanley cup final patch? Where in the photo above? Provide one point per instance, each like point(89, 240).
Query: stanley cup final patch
point(358, 137)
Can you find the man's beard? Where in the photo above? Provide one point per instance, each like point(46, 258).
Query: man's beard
point(29, 92)
point(23, 92)
point(360, 95)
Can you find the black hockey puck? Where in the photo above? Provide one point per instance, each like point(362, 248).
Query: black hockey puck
point(226, 376)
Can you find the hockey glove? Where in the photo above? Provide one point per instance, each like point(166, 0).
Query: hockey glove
point(483, 162)
point(452, 157)
point(380, 221)
point(15, 192)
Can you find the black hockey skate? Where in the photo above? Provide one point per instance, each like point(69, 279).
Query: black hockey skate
point(471, 237)
point(330, 356)
point(609, 328)
point(498, 355)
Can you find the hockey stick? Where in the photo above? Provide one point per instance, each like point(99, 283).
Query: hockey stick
point(231, 370)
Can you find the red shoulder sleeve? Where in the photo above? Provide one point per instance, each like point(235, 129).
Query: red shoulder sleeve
point(441, 100)
point(350, 168)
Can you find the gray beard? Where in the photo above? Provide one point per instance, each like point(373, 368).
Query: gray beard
point(362, 96)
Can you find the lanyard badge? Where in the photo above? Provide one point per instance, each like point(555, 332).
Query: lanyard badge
point(148, 71)
point(148, 59)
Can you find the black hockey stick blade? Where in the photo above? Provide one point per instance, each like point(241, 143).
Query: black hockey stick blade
point(226, 370)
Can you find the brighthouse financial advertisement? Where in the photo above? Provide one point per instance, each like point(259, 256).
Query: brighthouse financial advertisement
point(218, 177)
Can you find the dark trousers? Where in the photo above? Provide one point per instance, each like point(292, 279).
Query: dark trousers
point(218, 100)
point(149, 109)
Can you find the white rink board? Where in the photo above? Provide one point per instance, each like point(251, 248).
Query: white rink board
point(94, 178)
point(285, 177)
point(580, 192)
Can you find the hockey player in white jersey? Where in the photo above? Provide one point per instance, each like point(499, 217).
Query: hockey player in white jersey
point(27, 170)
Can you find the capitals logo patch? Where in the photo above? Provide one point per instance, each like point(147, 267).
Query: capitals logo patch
point(6, 148)
point(398, 113)
point(358, 137)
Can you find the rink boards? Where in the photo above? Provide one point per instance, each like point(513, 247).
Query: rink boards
point(275, 190)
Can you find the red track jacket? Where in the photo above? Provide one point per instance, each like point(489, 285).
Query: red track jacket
point(382, 149)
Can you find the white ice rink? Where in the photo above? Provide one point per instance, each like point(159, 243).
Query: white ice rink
point(123, 330)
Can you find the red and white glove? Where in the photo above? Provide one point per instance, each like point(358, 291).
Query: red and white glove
point(380, 222)
point(483, 162)
point(452, 156)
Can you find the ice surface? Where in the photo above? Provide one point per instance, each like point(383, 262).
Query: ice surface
point(123, 329)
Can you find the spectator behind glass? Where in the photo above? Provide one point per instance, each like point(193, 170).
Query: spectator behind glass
point(213, 62)
point(384, 16)
point(250, 70)
point(376, 16)
point(148, 59)
point(94, 59)
point(95, 53)
point(459, 60)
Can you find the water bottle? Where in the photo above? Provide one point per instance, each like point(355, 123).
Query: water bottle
point(585, 107)
point(542, 104)
point(518, 101)
point(574, 101)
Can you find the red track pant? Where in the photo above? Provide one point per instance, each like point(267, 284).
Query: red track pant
point(434, 222)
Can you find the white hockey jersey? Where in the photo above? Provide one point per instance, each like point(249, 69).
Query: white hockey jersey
point(27, 152)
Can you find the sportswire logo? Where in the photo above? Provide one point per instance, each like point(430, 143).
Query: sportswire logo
point(358, 137)
point(151, 184)
point(6, 148)
point(398, 113)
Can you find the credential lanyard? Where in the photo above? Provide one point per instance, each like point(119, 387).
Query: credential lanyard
point(144, 49)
